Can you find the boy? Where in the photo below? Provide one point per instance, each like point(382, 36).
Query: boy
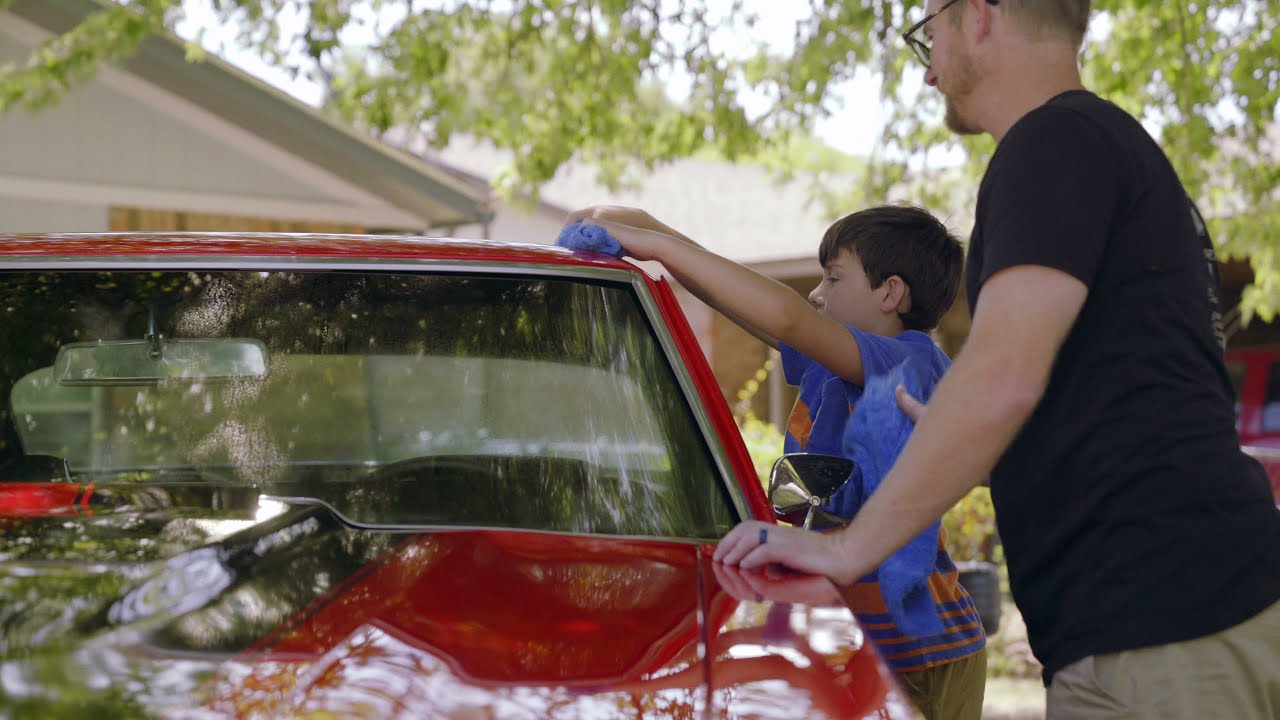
point(889, 273)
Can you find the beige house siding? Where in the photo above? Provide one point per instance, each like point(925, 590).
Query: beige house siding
point(198, 141)
point(27, 215)
point(143, 220)
point(539, 224)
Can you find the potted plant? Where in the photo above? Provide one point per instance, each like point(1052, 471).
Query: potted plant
point(972, 541)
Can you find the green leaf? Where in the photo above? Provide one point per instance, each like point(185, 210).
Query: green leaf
point(555, 80)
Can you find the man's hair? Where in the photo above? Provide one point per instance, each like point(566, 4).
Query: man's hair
point(906, 241)
point(1050, 17)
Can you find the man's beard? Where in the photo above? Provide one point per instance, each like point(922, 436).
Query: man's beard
point(961, 81)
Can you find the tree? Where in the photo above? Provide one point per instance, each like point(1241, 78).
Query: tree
point(558, 79)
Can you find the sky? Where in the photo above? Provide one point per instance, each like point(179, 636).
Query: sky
point(853, 127)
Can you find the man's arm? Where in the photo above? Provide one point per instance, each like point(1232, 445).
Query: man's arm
point(1023, 316)
point(914, 409)
point(761, 305)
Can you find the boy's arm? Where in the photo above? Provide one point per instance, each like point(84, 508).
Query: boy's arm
point(643, 220)
point(757, 303)
point(1022, 318)
point(756, 332)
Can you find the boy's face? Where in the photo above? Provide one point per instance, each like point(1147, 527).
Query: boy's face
point(846, 296)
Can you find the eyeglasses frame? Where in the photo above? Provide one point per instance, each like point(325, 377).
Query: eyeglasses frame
point(917, 46)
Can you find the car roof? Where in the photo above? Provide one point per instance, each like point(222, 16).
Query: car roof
point(294, 245)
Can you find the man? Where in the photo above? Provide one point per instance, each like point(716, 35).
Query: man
point(1143, 546)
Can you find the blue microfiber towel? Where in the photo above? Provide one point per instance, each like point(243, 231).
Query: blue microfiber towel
point(874, 437)
point(581, 236)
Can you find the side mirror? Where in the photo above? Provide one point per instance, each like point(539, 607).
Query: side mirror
point(801, 483)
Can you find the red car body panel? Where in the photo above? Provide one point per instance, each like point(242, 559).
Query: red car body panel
point(289, 245)
point(1256, 438)
point(602, 626)
point(43, 499)
point(471, 623)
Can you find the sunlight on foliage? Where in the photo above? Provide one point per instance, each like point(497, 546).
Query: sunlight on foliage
point(970, 526)
point(764, 443)
point(589, 81)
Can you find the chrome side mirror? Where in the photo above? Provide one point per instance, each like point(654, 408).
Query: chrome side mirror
point(801, 483)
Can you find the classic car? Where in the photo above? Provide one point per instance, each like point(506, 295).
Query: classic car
point(344, 476)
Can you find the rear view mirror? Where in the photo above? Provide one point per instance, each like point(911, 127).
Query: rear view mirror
point(147, 362)
point(801, 483)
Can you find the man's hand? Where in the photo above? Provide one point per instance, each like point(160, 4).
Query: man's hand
point(755, 544)
point(912, 407)
point(775, 586)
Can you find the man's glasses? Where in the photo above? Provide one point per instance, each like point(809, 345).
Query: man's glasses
point(920, 44)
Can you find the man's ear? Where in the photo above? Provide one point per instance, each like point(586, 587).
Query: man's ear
point(984, 14)
point(897, 295)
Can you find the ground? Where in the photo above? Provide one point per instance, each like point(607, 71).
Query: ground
point(1013, 699)
point(1014, 688)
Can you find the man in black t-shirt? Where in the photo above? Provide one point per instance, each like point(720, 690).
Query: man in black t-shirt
point(1143, 546)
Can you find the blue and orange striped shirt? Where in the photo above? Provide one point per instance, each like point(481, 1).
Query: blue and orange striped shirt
point(817, 425)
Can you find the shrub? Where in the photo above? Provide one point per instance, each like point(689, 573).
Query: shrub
point(971, 527)
point(764, 443)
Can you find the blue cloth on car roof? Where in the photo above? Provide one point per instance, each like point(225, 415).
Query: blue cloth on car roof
point(582, 236)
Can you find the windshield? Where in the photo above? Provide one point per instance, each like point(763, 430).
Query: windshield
point(396, 399)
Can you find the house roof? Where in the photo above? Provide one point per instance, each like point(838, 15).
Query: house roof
point(426, 192)
point(740, 211)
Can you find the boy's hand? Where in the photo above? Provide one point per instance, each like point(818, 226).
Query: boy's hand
point(634, 217)
point(640, 234)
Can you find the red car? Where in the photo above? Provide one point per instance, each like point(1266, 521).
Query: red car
point(266, 476)
point(1255, 372)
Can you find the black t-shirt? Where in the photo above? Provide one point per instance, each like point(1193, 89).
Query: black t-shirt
point(1129, 515)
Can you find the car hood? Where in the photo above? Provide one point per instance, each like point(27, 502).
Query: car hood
point(144, 607)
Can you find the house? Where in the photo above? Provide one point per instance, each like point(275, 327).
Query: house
point(163, 143)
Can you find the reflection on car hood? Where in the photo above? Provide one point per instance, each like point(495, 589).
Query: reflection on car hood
point(161, 611)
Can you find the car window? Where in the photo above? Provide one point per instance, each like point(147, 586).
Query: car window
point(397, 399)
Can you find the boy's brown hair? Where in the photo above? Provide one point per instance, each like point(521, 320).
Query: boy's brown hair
point(906, 241)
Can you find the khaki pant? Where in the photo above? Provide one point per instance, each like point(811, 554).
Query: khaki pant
point(953, 691)
point(1231, 674)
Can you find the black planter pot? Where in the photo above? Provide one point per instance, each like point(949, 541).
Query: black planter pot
point(982, 581)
